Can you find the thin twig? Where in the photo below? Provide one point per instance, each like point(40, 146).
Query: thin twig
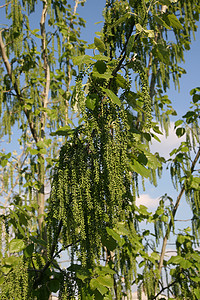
point(38, 279)
point(123, 52)
point(16, 179)
point(174, 213)
point(17, 90)
point(5, 4)
point(164, 288)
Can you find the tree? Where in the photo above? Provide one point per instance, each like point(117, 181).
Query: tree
point(101, 128)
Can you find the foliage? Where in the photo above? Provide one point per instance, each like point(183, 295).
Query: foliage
point(86, 124)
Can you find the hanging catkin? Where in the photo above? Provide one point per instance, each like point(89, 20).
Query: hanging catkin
point(92, 184)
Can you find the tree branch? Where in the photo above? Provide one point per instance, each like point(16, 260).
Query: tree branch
point(38, 279)
point(45, 65)
point(5, 4)
point(16, 88)
point(123, 52)
point(52, 256)
point(174, 213)
point(44, 100)
point(164, 288)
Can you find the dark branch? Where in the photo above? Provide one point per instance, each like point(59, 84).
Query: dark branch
point(174, 213)
point(38, 279)
point(164, 288)
point(123, 52)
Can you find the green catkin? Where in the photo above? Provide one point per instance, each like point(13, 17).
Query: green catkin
point(92, 181)
point(16, 284)
point(145, 97)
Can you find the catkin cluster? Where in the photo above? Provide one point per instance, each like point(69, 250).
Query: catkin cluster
point(92, 185)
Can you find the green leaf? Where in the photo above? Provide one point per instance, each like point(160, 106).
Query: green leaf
point(184, 149)
point(190, 116)
point(47, 142)
point(142, 159)
point(16, 245)
point(195, 98)
point(197, 293)
point(121, 20)
point(179, 122)
point(103, 270)
point(150, 33)
point(109, 242)
point(174, 22)
point(142, 263)
point(185, 264)
point(140, 169)
point(165, 2)
point(28, 251)
point(90, 103)
point(195, 279)
point(38, 241)
point(112, 96)
point(54, 285)
point(43, 151)
point(179, 260)
point(105, 281)
point(153, 162)
point(101, 57)
point(195, 184)
point(161, 22)
point(114, 235)
point(102, 289)
point(28, 106)
point(139, 27)
point(82, 59)
point(147, 136)
point(8, 155)
point(107, 75)
point(193, 91)
point(121, 81)
point(11, 261)
point(163, 55)
point(4, 162)
point(40, 144)
point(180, 131)
point(130, 44)
point(33, 151)
point(174, 260)
point(155, 137)
point(83, 274)
point(173, 152)
point(155, 256)
point(157, 130)
point(121, 228)
point(94, 284)
point(63, 131)
point(100, 66)
point(99, 45)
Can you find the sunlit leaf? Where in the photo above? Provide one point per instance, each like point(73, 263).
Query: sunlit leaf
point(99, 44)
point(174, 22)
point(112, 96)
point(16, 245)
point(161, 22)
point(140, 169)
